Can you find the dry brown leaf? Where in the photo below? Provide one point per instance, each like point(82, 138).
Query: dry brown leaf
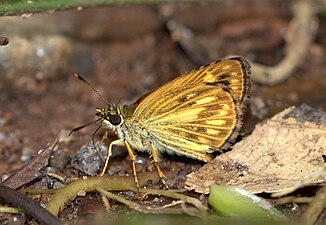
point(31, 170)
point(278, 154)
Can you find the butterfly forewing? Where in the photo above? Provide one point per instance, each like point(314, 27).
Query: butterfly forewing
point(233, 72)
point(198, 112)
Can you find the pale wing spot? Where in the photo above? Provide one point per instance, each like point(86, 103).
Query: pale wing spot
point(209, 78)
point(216, 122)
point(202, 139)
point(181, 142)
point(193, 146)
point(192, 113)
point(212, 132)
point(189, 114)
point(205, 100)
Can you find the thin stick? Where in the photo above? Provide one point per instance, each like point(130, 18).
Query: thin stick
point(28, 205)
point(172, 194)
point(291, 199)
point(11, 210)
point(316, 206)
point(118, 198)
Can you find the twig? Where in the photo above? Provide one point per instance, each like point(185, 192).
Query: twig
point(156, 210)
point(316, 206)
point(11, 210)
point(172, 194)
point(118, 198)
point(302, 32)
point(165, 209)
point(114, 183)
point(305, 181)
point(28, 205)
point(291, 199)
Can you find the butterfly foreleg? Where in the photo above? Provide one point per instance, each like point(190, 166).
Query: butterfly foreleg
point(133, 158)
point(119, 142)
point(154, 152)
point(98, 145)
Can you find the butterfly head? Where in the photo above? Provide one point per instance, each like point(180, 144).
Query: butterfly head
point(111, 117)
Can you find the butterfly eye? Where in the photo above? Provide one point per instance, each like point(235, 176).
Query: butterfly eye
point(114, 119)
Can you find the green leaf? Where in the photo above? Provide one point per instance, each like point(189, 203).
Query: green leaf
point(234, 201)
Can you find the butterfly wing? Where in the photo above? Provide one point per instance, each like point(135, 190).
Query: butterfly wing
point(198, 112)
point(232, 72)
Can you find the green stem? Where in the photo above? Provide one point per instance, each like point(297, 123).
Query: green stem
point(16, 8)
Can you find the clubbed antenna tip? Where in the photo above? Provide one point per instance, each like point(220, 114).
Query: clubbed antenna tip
point(91, 87)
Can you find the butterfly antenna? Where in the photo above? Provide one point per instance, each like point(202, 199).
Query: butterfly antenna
point(91, 87)
point(81, 127)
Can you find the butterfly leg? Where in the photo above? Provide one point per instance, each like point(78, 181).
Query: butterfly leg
point(154, 151)
point(98, 146)
point(133, 158)
point(119, 142)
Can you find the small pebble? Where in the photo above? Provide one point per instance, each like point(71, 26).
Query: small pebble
point(87, 159)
